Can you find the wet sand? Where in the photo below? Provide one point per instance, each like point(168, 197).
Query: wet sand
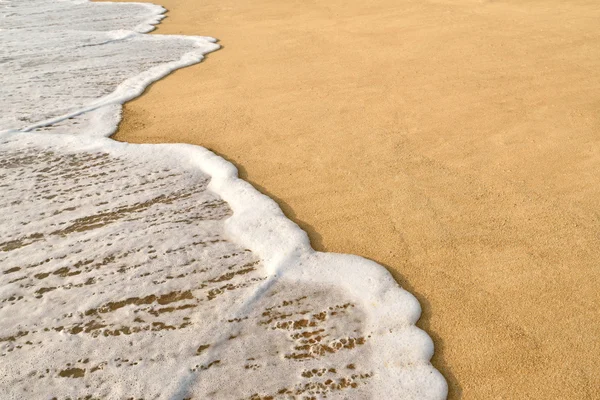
point(454, 142)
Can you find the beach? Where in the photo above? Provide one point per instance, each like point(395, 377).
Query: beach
point(152, 270)
point(454, 142)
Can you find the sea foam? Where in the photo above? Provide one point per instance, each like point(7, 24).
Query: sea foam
point(152, 271)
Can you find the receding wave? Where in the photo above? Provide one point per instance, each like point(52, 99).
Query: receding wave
point(152, 271)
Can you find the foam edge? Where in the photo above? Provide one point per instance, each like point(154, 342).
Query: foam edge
point(286, 251)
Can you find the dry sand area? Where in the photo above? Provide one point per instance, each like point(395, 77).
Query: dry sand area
point(454, 142)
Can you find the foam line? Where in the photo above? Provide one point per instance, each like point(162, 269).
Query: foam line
point(153, 270)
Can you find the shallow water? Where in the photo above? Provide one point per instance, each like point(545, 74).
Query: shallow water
point(151, 271)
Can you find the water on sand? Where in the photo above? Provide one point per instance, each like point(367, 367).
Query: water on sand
point(151, 270)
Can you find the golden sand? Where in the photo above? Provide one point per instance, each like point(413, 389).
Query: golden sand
point(456, 142)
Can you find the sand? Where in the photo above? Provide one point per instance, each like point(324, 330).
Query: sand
point(454, 142)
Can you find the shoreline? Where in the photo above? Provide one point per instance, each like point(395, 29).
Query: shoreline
point(153, 270)
point(492, 230)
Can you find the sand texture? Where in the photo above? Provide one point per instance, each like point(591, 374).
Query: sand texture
point(455, 142)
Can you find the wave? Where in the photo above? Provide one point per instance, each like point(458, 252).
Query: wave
point(153, 270)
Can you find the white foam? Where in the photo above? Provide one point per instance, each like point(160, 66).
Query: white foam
point(125, 268)
point(65, 69)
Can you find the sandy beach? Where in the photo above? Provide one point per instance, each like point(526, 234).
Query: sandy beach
point(456, 142)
